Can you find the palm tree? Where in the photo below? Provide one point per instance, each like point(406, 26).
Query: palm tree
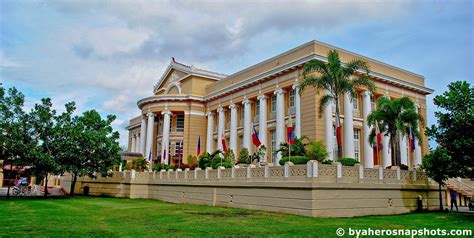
point(336, 79)
point(394, 119)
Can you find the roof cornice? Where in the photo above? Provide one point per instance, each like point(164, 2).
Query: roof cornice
point(167, 98)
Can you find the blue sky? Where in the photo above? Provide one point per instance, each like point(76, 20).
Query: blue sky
point(108, 54)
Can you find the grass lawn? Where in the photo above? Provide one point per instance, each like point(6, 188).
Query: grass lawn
point(112, 217)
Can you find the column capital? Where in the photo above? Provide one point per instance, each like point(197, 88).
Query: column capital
point(279, 91)
point(366, 93)
point(166, 113)
point(220, 109)
point(262, 97)
point(150, 114)
point(296, 85)
point(210, 113)
point(232, 106)
point(246, 101)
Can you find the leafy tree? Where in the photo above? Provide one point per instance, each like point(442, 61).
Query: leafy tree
point(394, 118)
point(87, 144)
point(42, 156)
point(139, 164)
point(336, 79)
point(438, 165)
point(14, 136)
point(296, 149)
point(455, 128)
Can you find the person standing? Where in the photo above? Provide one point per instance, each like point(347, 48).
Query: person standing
point(453, 200)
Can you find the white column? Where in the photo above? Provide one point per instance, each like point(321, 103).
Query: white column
point(149, 134)
point(210, 132)
point(247, 125)
point(132, 144)
point(297, 111)
point(417, 160)
point(262, 121)
point(165, 144)
point(137, 143)
point(280, 121)
point(348, 127)
point(386, 158)
point(233, 128)
point(366, 109)
point(329, 131)
point(143, 135)
point(403, 150)
point(220, 128)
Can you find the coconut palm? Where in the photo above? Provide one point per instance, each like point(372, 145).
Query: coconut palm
point(335, 79)
point(394, 118)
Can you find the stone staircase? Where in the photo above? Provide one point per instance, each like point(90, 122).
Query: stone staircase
point(460, 186)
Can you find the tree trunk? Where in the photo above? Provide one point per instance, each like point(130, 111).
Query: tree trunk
point(73, 185)
point(338, 124)
point(46, 185)
point(395, 149)
point(440, 198)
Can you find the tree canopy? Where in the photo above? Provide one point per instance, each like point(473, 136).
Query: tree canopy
point(455, 127)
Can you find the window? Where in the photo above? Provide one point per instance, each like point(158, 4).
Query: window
point(241, 116)
point(274, 147)
point(178, 149)
point(274, 101)
point(355, 103)
point(257, 110)
point(292, 98)
point(357, 144)
point(372, 105)
point(228, 119)
point(180, 123)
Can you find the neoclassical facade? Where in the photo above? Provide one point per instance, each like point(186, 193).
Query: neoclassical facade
point(190, 105)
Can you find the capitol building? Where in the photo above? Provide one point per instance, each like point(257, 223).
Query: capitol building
point(193, 110)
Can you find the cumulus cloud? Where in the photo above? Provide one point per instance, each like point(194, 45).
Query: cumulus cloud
point(109, 54)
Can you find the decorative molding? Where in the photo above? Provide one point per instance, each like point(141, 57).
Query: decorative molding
point(165, 98)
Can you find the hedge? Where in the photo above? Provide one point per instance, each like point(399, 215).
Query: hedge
point(294, 160)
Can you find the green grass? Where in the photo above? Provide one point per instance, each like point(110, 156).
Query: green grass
point(112, 217)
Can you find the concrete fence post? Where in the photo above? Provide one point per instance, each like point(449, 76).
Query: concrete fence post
point(168, 174)
point(309, 169)
point(380, 173)
point(287, 170)
point(398, 174)
point(249, 172)
point(414, 174)
point(361, 171)
point(154, 175)
point(196, 172)
point(186, 173)
point(232, 174)
point(132, 175)
point(315, 168)
point(266, 171)
point(176, 175)
point(207, 172)
point(161, 173)
point(219, 172)
point(338, 170)
point(124, 173)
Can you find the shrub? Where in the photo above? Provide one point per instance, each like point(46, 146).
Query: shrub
point(294, 160)
point(161, 166)
point(316, 150)
point(327, 161)
point(218, 162)
point(230, 156)
point(204, 160)
point(297, 149)
point(348, 161)
point(192, 159)
point(244, 157)
point(139, 164)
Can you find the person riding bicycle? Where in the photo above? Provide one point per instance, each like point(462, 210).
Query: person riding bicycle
point(22, 182)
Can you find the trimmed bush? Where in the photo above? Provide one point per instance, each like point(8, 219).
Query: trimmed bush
point(294, 160)
point(204, 160)
point(244, 157)
point(348, 161)
point(161, 166)
point(192, 159)
point(327, 161)
point(316, 150)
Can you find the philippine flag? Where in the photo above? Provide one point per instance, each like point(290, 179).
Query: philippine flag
point(255, 139)
point(291, 132)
